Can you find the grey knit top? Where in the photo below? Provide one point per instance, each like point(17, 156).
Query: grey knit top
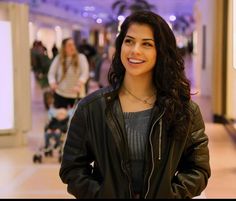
point(136, 124)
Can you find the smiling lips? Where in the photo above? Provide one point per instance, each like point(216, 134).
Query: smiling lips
point(135, 61)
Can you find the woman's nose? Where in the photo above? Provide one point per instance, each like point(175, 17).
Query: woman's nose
point(136, 48)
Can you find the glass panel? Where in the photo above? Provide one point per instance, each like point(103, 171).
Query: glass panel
point(6, 78)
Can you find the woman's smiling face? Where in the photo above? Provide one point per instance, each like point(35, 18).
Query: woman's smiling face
point(138, 51)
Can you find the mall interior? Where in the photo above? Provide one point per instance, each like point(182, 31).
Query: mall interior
point(205, 33)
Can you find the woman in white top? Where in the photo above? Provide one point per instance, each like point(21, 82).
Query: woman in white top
point(68, 75)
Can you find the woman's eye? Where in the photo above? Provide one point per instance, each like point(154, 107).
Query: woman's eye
point(147, 44)
point(128, 41)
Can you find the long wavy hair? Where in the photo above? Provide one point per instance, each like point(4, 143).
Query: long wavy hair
point(63, 56)
point(173, 88)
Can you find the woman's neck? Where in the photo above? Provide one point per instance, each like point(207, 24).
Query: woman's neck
point(140, 86)
point(137, 94)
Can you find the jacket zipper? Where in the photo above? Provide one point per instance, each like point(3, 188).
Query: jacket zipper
point(160, 136)
point(152, 154)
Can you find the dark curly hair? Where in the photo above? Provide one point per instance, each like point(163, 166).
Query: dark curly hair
point(173, 88)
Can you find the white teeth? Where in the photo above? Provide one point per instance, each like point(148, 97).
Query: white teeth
point(136, 61)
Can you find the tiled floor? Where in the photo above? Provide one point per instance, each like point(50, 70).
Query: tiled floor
point(222, 183)
point(21, 178)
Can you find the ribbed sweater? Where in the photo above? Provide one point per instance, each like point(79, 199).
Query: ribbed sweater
point(136, 124)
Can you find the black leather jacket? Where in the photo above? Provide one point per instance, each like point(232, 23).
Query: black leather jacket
point(174, 168)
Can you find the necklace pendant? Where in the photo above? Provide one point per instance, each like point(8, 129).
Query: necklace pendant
point(143, 101)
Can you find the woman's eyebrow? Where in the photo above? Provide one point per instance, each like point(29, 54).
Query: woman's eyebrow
point(127, 36)
point(145, 39)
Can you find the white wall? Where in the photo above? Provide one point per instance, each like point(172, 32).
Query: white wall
point(204, 16)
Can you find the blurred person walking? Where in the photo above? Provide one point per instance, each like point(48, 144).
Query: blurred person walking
point(54, 50)
point(68, 75)
point(103, 68)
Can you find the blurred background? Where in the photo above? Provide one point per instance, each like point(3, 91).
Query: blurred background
point(31, 32)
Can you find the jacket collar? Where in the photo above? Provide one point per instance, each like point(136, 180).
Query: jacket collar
point(111, 94)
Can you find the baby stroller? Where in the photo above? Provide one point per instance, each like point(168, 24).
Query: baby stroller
point(54, 134)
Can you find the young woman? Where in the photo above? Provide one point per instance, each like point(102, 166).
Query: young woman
point(142, 137)
point(68, 75)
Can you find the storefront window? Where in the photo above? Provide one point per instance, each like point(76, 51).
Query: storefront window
point(6, 78)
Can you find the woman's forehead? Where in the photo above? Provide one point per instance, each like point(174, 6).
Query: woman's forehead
point(140, 30)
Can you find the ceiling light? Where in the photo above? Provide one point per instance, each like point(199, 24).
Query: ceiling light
point(121, 18)
point(172, 18)
point(99, 20)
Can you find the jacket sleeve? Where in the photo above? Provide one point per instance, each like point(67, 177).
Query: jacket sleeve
point(194, 169)
point(76, 169)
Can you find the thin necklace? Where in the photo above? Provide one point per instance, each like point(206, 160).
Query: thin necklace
point(145, 101)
